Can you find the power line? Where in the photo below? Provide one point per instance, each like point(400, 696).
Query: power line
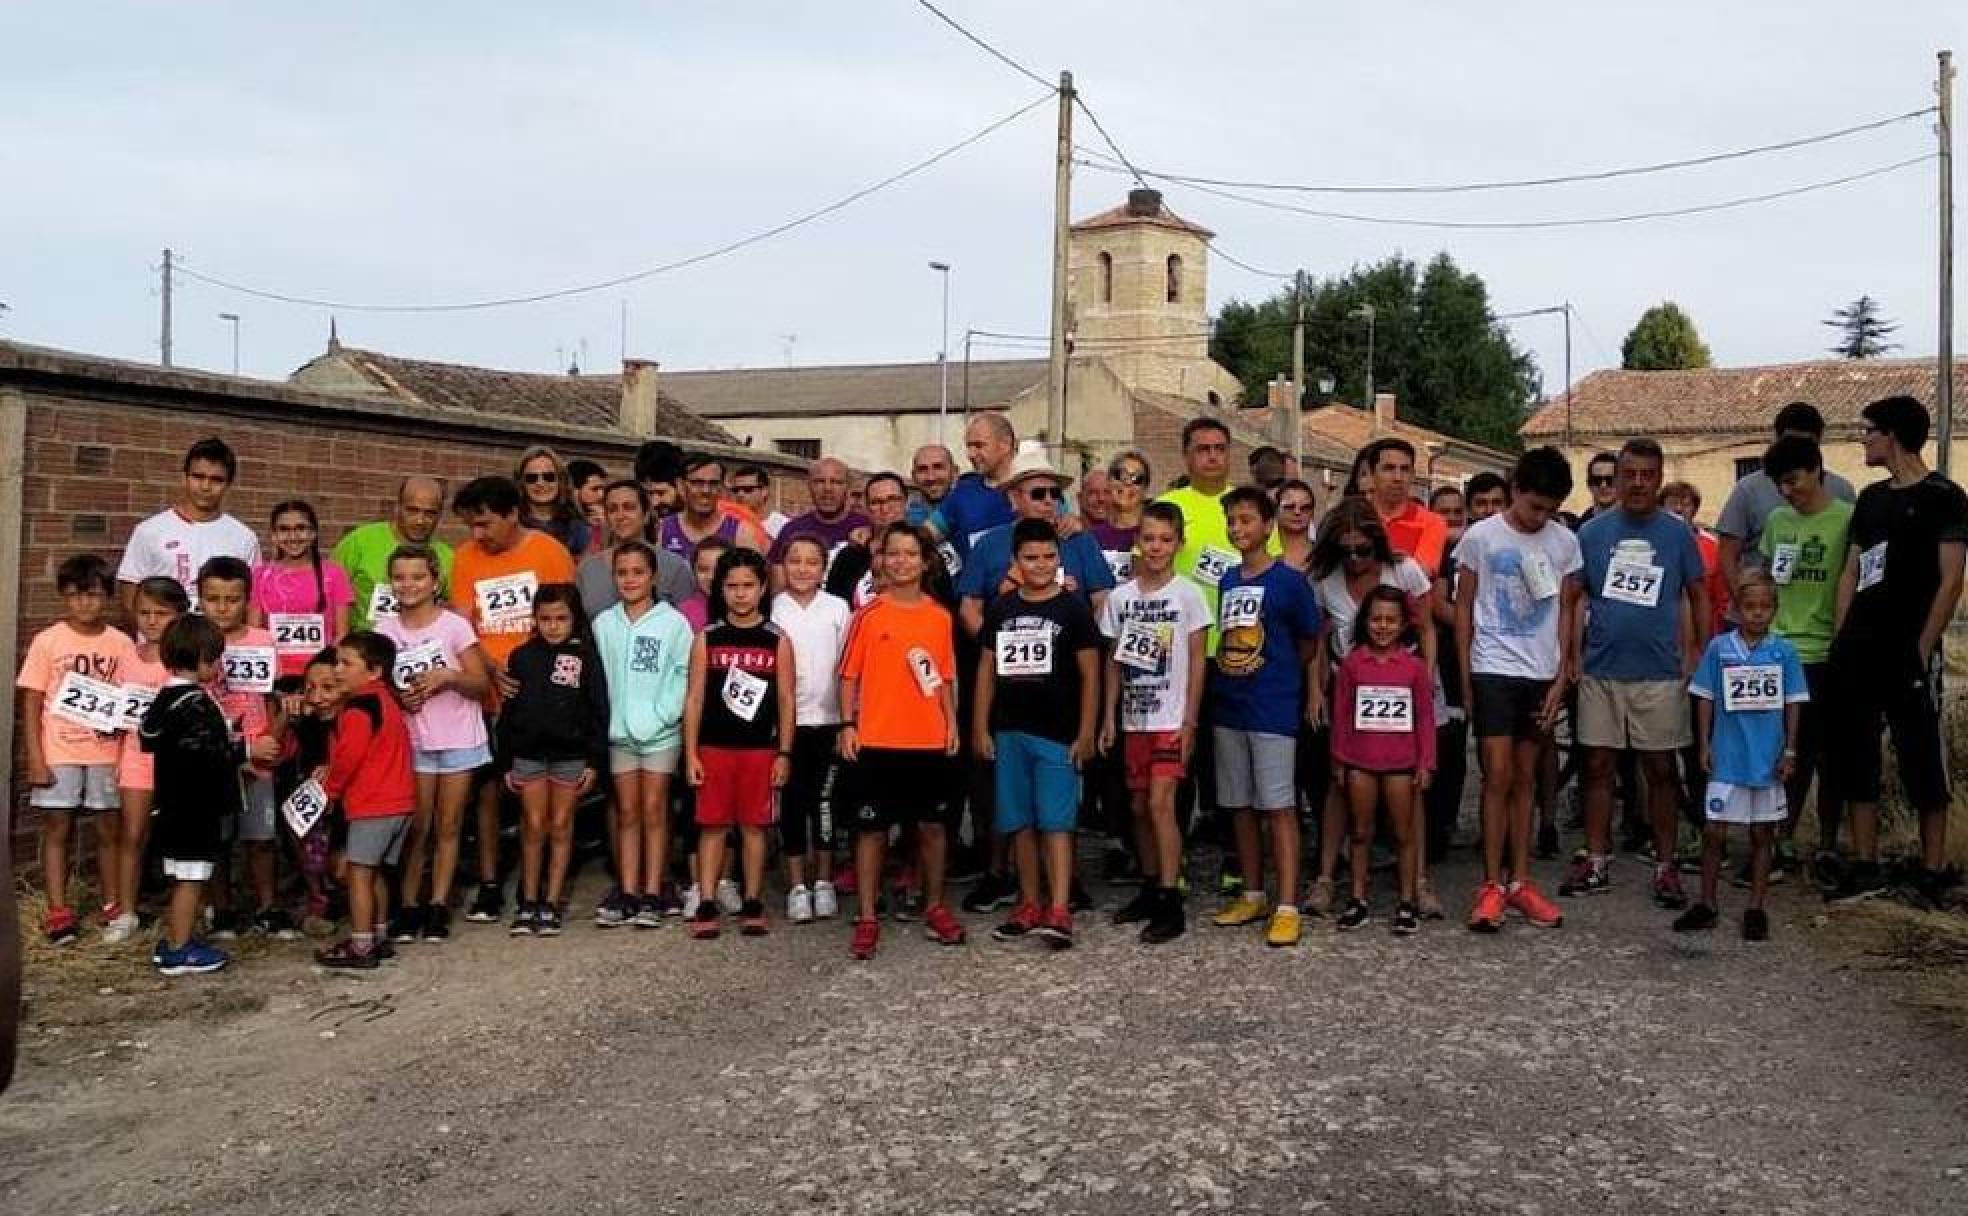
point(1109, 140)
point(988, 49)
point(637, 276)
point(1525, 225)
point(1554, 180)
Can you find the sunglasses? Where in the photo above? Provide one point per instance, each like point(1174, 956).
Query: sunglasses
point(1045, 493)
point(539, 479)
point(1366, 550)
point(1601, 479)
point(1127, 478)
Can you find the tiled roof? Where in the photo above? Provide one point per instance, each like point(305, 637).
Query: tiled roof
point(1725, 400)
point(1121, 217)
point(873, 388)
point(1353, 428)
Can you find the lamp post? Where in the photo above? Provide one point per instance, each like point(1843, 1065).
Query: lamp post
point(943, 358)
point(232, 319)
point(1367, 311)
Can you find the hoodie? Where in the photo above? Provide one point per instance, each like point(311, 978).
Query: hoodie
point(647, 662)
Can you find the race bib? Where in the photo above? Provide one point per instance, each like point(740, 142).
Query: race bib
point(413, 661)
point(1538, 578)
point(505, 604)
point(298, 632)
point(136, 701)
point(743, 693)
point(951, 561)
point(864, 590)
point(1783, 564)
point(1242, 607)
point(1120, 562)
point(1632, 582)
point(1748, 687)
point(1384, 709)
point(923, 666)
point(88, 702)
point(1872, 565)
point(1025, 652)
point(248, 668)
point(1212, 564)
point(1140, 646)
point(382, 602)
point(305, 807)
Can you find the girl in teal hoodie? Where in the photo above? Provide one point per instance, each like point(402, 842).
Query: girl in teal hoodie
point(644, 646)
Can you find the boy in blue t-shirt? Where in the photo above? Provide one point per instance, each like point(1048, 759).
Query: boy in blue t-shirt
point(1748, 689)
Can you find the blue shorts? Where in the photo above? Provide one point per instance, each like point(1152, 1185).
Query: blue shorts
point(1037, 785)
point(443, 760)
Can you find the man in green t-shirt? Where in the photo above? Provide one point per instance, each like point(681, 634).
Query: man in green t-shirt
point(364, 552)
point(1206, 551)
point(1804, 547)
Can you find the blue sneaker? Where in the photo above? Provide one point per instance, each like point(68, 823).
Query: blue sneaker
point(192, 958)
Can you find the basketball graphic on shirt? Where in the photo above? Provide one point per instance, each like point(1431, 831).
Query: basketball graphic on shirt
point(1241, 653)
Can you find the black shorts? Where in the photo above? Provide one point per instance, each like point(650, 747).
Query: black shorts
point(1507, 707)
point(888, 788)
point(1868, 688)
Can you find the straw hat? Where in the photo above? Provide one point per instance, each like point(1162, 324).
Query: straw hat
point(1031, 461)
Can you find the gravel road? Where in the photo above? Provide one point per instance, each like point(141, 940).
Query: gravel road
point(1607, 1066)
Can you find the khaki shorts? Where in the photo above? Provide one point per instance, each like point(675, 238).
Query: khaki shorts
point(1645, 715)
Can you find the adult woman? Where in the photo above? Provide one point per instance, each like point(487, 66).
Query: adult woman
point(549, 498)
point(1351, 557)
point(1296, 503)
point(1127, 489)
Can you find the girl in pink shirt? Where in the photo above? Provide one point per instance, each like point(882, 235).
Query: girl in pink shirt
point(300, 597)
point(1383, 743)
point(159, 601)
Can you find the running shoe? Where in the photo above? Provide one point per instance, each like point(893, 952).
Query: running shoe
point(1861, 881)
point(1756, 925)
point(1427, 902)
point(608, 897)
point(119, 928)
point(1078, 898)
point(644, 913)
point(524, 921)
point(826, 905)
point(1230, 884)
point(224, 924)
point(61, 926)
point(406, 924)
point(866, 939)
point(1696, 918)
point(385, 952)
point(942, 927)
point(908, 903)
point(1486, 914)
point(1244, 910)
point(613, 911)
point(1055, 928)
point(192, 958)
point(1284, 928)
point(344, 955)
point(1407, 920)
point(751, 918)
point(1170, 920)
point(693, 898)
point(1138, 909)
point(1354, 915)
point(1527, 901)
point(728, 896)
point(704, 925)
point(488, 904)
point(437, 923)
point(1319, 897)
point(799, 905)
point(276, 924)
point(993, 891)
point(546, 920)
point(1587, 875)
point(1023, 920)
point(1668, 891)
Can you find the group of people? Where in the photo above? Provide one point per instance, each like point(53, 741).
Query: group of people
point(1005, 651)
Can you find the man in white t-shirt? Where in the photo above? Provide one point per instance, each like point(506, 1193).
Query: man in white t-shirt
point(177, 541)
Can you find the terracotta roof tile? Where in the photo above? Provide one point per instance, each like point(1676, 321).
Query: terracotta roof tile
point(1121, 217)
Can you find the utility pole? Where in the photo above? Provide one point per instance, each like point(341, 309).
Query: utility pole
point(1944, 349)
point(968, 334)
point(1062, 201)
point(1294, 416)
point(164, 333)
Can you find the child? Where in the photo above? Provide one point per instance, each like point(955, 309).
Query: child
point(369, 773)
point(1038, 686)
point(440, 676)
point(157, 602)
point(1159, 627)
point(71, 701)
point(898, 694)
point(245, 693)
point(197, 759)
point(1749, 749)
point(310, 701)
point(738, 737)
point(1270, 628)
point(703, 567)
point(555, 728)
point(300, 598)
point(816, 623)
point(644, 648)
point(1383, 743)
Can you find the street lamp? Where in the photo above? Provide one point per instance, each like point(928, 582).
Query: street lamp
point(232, 318)
point(1367, 311)
point(943, 358)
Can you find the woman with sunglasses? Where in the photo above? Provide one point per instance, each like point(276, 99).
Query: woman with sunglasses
point(549, 504)
point(1126, 490)
point(1296, 503)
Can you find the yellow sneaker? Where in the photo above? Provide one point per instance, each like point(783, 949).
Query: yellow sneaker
point(1283, 930)
point(1246, 909)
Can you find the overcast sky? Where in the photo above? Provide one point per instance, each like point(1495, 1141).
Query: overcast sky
point(436, 152)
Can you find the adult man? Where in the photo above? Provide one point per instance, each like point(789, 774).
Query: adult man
point(1901, 582)
point(659, 467)
point(851, 575)
point(1206, 554)
point(977, 503)
point(1755, 496)
point(1640, 564)
point(625, 517)
point(830, 521)
point(177, 541)
point(931, 471)
point(1412, 528)
point(588, 479)
point(364, 551)
point(493, 580)
point(702, 516)
point(1602, 483)
point(1096, 506)
point(1036, 491)
point(751, 489)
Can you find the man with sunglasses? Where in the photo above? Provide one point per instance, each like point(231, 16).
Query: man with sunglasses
point(702, 515)
point(1602, 482)
point(1755, 497)
point(751, 490)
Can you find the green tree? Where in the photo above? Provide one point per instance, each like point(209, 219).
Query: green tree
point(1663, 340)
point(1436, 345)
point(1863, 332)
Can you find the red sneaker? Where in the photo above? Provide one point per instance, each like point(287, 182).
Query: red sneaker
point(941, 926)
point(61, 926)
point(1487, 914)
point(1056, 929)
point(109, 911)
point(867, 937)
point(1528, 902)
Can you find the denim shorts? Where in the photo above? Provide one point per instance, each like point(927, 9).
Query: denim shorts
point(1037, 785)
point(78, 788)
point(452, 759)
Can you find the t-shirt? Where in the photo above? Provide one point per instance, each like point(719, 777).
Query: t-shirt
point(595, 578)
point(972, 508)
point(990, 561)
point(1519, 576)
point(109, 656)
point(1342, 609)
point(671, 537)
point(1806, 554)
point(1750, 686)
point(299, 613)
point(1635, 572)
point(1419, 533)
point(1751, 503)
point(903, 655)
point(1206, 550)
point(448, 720)
point(817, 631)
point(1035, 647)
point(364, 553)
point(1383, 712)
point(831, 533)
point(135, 768)
point(1259, 683)
point(171, 546)
point(1151, 632)
point(741, 686)
point(494, 591)
point(1117, 546)
point(1897, 535)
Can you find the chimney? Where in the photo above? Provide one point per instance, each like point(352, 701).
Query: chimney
point(638, 412)
point(1280, 393)
point(1383, 408)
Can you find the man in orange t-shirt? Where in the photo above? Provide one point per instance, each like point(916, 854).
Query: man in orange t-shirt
point(494, 576)
point(1412, 528)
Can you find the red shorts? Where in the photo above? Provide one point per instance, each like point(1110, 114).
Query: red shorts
point(1152, 754)
point(737, 787)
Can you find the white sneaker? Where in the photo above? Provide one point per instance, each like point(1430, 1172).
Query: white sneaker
point(728, 897)
point(799, 905)
point(691, 898)
point(825, 905)
point(118, 931)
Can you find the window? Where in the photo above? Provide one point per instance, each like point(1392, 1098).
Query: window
point(805, 449)
point(1745, 465)
point(1174, 279)
point(1106, 278)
